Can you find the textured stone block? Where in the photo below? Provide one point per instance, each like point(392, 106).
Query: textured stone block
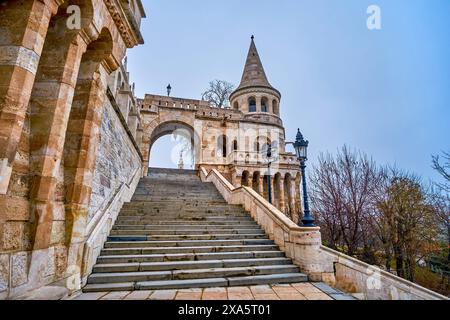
point(19, 269)
point(15, 236)
point(4, 272)
point(58, 232)
point(50, 266)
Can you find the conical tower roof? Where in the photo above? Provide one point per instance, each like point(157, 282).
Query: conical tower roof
point(254, 74)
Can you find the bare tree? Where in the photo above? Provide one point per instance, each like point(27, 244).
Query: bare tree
point(441, 198)
point(218, 93)
point(443, 169)
point(342, 192)
point(441, 203)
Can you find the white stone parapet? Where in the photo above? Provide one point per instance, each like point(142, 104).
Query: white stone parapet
point(304, 247)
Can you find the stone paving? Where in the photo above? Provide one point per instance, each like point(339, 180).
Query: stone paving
point(295, 291)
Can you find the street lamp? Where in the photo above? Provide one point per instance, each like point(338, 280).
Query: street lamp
point(169, 89)
point(301, 150)
point(268, 153)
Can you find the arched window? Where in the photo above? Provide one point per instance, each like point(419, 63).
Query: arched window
point(236, 106)
point(264, 104)
point(222, 146)
point(235, 145)
point(252, 105)
point(245, 179)
point(276, 110)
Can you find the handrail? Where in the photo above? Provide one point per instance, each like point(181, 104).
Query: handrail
point(382, 272)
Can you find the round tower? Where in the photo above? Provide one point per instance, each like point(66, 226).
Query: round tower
point(255, 95)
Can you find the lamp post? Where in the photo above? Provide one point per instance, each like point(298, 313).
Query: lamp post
point(301, 150)
point(169, 89)
point(268, 154)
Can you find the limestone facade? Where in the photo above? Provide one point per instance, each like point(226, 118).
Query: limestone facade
point(57, 110)
point(232, 140)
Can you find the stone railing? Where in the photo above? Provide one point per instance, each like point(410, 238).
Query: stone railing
point(253, 157)
point(303, 246)
point(100, 226)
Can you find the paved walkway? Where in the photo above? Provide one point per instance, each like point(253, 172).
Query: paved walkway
point(295, 291)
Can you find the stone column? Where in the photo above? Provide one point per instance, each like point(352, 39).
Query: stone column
point(234, 179)
point(261, 185)
point(293, 200)
point(281, 201)
point(51, 102)
point(23, 27)
point(80, 155)
point(270, 106)
point(258, 104)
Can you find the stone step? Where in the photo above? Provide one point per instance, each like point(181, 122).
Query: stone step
point(184, 211)
point(134, 231)
point(130, 221)
point(136, 250)
point(186, 228)
point(188, 211)
point(108, 259)
point(186, 243)
point(188, 265)
point(199, 283)
point(181, 198)
point(187, 216)
point(157, 237)
point(175, 205)
point(190, 274)
point(183, 219)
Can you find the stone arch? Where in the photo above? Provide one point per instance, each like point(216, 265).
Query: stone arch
point(245, 178)
point(82, 138)
point(168, 127)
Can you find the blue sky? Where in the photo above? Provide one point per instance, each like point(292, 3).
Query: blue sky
point(385, 92)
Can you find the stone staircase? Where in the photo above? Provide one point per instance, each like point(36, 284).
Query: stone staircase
point(178, 232)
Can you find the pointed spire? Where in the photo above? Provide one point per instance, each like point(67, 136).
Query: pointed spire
point(254, 74)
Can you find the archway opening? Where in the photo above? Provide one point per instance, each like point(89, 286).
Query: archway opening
point(173, 145)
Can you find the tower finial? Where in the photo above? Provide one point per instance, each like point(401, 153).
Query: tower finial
point(253, 37)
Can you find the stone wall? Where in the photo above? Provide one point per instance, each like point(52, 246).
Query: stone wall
point(117, 161)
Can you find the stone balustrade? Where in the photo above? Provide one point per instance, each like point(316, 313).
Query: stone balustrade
point(253, 157)
point(304, 247)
